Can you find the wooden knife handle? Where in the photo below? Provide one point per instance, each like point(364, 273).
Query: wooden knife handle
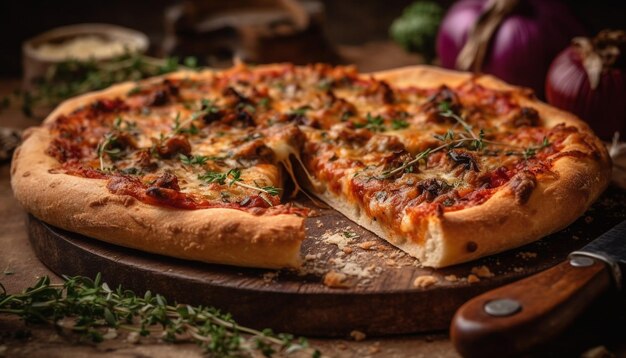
point(548, 303)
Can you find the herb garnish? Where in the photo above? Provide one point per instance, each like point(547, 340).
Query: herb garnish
point(106, 147)
point(233, 177)
point(180, 128)
point(199, 160)
point(375, 124)
point(300, 111)
point(92, 306)
point(399, 124)
point(452, 139)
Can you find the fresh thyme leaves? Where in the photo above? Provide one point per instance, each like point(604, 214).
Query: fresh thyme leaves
point(300, 111)
point(373, 123)
point(271, 190)
point(452, 139)
point(207, 106)
point(199, 160)
point(215, 177)
point(181, 128)
point(90, 306)
point(122, 125)
point(106, 147)
point(445, 110)
point(70, 78)
point(422, 155)
point(399, 124)
point(233, 177)
point(264, 102)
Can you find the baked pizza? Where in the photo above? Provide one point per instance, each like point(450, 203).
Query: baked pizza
point(447, 166)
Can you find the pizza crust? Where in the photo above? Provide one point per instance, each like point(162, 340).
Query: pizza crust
point(234, 237)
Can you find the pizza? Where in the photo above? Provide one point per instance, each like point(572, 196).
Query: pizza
point(447, 166)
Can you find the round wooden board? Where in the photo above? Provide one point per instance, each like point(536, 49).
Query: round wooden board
point(380, 296)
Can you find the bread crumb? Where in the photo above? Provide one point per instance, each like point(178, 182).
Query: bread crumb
point(518, 269)
point(367, 245)
point(347, 250)
point(310, 257)
point(341, 239)
point(390, 262)
point(451, 278)
point(425, 281)
point(482, 271)
point(527, 255)
point(472, 278)
point(336, 279)
point(351, 268)
point(374, 348)
point(358, 335)
point(269, 277)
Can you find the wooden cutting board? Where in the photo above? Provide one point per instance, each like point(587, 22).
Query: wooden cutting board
point(384, 291)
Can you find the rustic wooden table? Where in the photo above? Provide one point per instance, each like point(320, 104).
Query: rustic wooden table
point(19, 268)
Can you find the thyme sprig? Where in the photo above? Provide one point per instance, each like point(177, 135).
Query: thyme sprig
point(90, 306)
point(110, 139)
point(452, 139)
point(198, 160)
point(373, 123)
point(233, 177)
point(105, 147)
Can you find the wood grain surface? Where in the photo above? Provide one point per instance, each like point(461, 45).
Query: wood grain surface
point(351, 280)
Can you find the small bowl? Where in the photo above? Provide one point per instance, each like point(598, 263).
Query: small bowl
point(36, 59)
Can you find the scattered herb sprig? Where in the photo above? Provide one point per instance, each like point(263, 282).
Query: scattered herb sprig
point(452, 139)
point(199, 160)
point(91, 306)
point(105, 147)
point(233, 177)
point(373, 123)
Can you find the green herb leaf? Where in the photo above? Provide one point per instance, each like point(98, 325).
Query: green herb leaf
point(375, 124)
point(399, 124)
point(199, 160)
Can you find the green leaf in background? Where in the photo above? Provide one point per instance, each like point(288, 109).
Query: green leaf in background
point(416, 29)
point(70, 78)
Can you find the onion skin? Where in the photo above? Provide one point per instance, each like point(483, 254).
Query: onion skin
point(522, 48)
point(568, 88)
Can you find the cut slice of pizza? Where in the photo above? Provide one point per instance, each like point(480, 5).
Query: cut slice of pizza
point(448, 167)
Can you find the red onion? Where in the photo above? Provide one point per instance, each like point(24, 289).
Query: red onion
point(512, 39)
point(589, 80)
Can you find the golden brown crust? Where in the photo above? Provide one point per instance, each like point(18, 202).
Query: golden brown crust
point(82, 205)
point(234, 237)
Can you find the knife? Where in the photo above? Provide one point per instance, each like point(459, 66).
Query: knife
point(520, 316)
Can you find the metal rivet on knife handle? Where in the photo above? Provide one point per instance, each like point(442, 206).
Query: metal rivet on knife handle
point(581, 261)
point(502, 307)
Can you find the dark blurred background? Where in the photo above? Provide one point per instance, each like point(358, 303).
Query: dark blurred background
point(344, 22)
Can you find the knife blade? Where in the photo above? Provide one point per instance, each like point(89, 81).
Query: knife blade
point(518, 317)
